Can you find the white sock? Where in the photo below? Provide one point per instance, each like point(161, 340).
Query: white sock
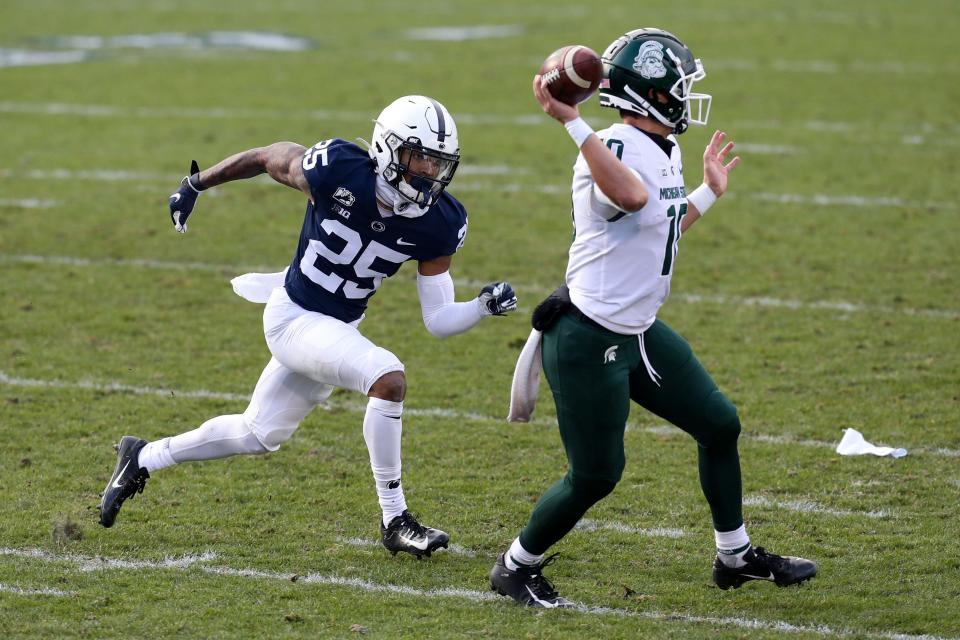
point(517, 555)
point(156, 455)
point(216, 438)
point(381, 431)
point(732, 546)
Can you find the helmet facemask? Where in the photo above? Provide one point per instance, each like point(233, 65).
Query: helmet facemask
point(682, 90)
point(420, 174)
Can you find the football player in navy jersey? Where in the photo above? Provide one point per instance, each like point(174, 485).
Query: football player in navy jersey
point(368, 212)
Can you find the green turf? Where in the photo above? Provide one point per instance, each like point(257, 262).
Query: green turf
point(812, 311)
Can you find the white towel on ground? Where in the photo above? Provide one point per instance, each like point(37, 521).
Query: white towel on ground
point(854, 444)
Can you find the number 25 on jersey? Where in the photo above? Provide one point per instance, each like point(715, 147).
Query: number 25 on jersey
point(318, 252)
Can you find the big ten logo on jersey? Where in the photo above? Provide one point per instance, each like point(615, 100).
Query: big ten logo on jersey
point(345, 197)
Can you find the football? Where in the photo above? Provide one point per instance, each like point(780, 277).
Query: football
point(572, 73)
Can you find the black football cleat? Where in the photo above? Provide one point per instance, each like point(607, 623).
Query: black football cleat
point(408, 535)
point(128, 479)
point(760, 565)
point(527, 585)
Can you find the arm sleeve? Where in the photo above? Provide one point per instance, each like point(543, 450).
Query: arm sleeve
point(441, 315)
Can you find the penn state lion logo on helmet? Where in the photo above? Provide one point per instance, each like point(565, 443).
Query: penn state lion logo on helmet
point(649, 60)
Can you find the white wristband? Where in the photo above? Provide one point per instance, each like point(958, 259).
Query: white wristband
point(579, 130)
point(702, 198)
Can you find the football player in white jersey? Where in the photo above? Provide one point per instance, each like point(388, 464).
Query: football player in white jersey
point(368, 211)
point(602, 344)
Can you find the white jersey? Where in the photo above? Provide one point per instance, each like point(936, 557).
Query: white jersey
point(621, 262)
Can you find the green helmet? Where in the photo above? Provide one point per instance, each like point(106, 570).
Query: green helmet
point(646, 60)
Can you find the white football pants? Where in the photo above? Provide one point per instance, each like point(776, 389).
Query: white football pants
point(312, 354)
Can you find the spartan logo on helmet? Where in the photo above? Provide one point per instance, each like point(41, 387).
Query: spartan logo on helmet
point(649, 60)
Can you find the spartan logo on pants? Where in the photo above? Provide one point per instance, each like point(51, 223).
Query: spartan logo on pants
point(610, 355)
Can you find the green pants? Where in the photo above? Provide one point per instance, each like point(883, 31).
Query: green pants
point(594, 374)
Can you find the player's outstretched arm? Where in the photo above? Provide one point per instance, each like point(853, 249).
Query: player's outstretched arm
point(282, 161)
point(716, 172)
point(623, 187)
point(441, 315)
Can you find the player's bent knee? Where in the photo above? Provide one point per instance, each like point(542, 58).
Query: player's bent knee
point(390, 386)
point(255, 447)
point(592, 488)
point(269, 437)
point(724, 422)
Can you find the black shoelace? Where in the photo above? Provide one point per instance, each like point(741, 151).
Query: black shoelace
point(770, 560)
point(408, 521)
point(539, 585)
point(136, 484)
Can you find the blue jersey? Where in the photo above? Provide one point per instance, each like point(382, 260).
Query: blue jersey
point(346, 246)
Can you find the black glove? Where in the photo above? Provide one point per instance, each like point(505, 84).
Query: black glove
point(554, 306)
point(498, 298)
point(183, 201)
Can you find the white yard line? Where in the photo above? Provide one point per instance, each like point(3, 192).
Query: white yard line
point(98, 563)
point(454, 548)
point(830, 200)
point(197, 563)
point(690, 298)
point(809, 506)
point(487, 119)
point(124, 175)
point(767, 438)
point(118, 387)
point(247, 40)
point(767, 149)
point(359, 406)
point(27, 203)
point(26, 591)
point(229, 113)
point(812, 200)
point(463, 34)
point(655, 532)
point(822, 305)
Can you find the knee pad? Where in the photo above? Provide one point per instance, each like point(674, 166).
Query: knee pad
point(724, 423)
point(275, 430)
point(592, 488)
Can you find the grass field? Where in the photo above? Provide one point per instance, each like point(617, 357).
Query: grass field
point(821, 294)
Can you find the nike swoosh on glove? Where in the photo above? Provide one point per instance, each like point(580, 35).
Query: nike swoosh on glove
point(498, 298)
point(183, 201)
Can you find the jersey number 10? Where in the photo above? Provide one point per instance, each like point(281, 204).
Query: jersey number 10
point(670, 252)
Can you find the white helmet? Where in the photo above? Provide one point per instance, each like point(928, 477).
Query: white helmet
point(422, 126)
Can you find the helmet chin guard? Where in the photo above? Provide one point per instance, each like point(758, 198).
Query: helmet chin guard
point(417, 150)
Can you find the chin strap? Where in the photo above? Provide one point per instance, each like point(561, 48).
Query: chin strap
point(401, 206)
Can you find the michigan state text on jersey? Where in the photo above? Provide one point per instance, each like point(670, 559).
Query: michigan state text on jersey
point(602, 344)
point(368, 212)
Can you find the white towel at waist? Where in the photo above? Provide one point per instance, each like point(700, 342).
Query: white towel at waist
point(526, 380)
point(257, 287)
